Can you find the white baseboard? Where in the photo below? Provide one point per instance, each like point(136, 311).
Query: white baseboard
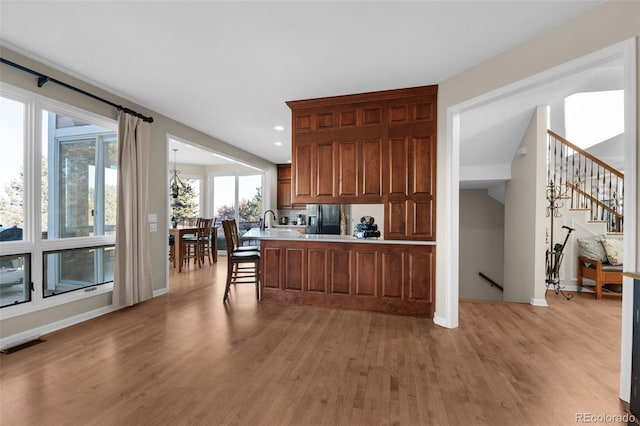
point(35, 333)
point(441, 321)
point(160, 292)
point(539, 302)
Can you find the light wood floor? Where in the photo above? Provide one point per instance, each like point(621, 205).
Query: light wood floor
point(184, 358)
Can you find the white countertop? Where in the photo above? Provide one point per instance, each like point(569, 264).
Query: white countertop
point(293, 235)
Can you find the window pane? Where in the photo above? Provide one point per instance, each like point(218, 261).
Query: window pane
point(12, 123)
point(69, 270)
point(79, 197)
point(249, 201)
point(15, 273)
point(224, 195)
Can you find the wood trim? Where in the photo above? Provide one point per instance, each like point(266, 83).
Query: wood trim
point(383, 95)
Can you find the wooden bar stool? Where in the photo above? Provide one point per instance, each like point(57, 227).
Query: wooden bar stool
point(243, 266)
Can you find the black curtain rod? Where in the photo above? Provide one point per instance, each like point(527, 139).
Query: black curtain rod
point(43, 79)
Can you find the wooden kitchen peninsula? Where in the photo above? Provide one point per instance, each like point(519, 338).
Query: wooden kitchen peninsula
point(395, 277)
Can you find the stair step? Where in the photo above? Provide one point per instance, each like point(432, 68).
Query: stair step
point(597, 221)
point(616, 234)
point(577, 210)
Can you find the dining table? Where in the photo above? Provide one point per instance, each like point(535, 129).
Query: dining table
point(179, 245)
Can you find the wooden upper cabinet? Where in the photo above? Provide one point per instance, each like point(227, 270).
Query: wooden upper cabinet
point(377, 147)
point(301, 173)
point(370, 172)
point(347, 168)
point(323, 169)
point(284, 186)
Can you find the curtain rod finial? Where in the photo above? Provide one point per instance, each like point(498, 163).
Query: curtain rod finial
point(42, 80)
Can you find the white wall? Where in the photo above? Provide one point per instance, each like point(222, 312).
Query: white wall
point(524, 205)
point(481, 245)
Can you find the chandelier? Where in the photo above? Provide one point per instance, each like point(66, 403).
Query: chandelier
point(176, 184)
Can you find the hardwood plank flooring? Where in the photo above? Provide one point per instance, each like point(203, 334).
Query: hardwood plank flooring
point(185, 358)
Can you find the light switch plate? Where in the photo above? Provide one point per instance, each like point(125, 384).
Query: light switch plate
point(153, 217)
point(153, 227)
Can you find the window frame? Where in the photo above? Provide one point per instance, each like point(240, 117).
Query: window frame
point(32, 241)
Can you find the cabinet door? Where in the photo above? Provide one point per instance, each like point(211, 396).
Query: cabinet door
point(270, 268)
point(395, 217)
point(422, 162)
point(284, 194)
point(340, 271)
point(284, 186)
point(347, 168)
point(317, 270)
point(370, 170)
point(302, 172)
point(397, 163)
point(324, 173)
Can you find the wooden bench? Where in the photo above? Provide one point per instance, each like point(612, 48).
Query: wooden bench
point(600, 272)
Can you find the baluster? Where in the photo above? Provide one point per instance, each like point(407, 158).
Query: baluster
point(549, 159)
point(573, 172)
point(561, 171)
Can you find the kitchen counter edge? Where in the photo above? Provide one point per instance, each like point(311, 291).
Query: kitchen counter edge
point(292, 235)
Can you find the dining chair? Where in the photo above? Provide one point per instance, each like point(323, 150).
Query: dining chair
point(236, 238)
point(243, 266)
point(199, 246)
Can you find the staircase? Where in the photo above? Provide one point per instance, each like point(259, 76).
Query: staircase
point(591, 192)
point(586, 182)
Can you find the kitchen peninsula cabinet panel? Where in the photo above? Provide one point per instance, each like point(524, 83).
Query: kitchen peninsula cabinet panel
point(366, 272)
point(420, 267)
point(340, 271)
point(271, 269)
point(374, 276)
point(317, 270)
point(393, 274)
point(293, 264)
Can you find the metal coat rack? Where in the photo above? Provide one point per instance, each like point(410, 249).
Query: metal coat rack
point(555, 252)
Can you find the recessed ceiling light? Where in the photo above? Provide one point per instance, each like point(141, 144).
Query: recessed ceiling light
point(278, 128)
point(278, 143)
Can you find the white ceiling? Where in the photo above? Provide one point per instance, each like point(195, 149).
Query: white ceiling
point(227, 68)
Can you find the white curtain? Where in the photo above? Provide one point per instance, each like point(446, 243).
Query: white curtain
point(132, 279)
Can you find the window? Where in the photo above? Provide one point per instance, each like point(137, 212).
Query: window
point(12, 136)
point(58, 176)
point(15, 279)
point(594, 117)
point(79, 162)
point(239, 197)
point(75, 269)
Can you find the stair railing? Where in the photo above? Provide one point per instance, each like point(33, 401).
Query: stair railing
point(492, 282)
point(586, 182)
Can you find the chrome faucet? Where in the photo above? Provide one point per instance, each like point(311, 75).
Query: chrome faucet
point(263, 225)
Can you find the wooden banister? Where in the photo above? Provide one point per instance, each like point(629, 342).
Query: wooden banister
point(585, 180)
point(492, 282)
point(586, 154)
